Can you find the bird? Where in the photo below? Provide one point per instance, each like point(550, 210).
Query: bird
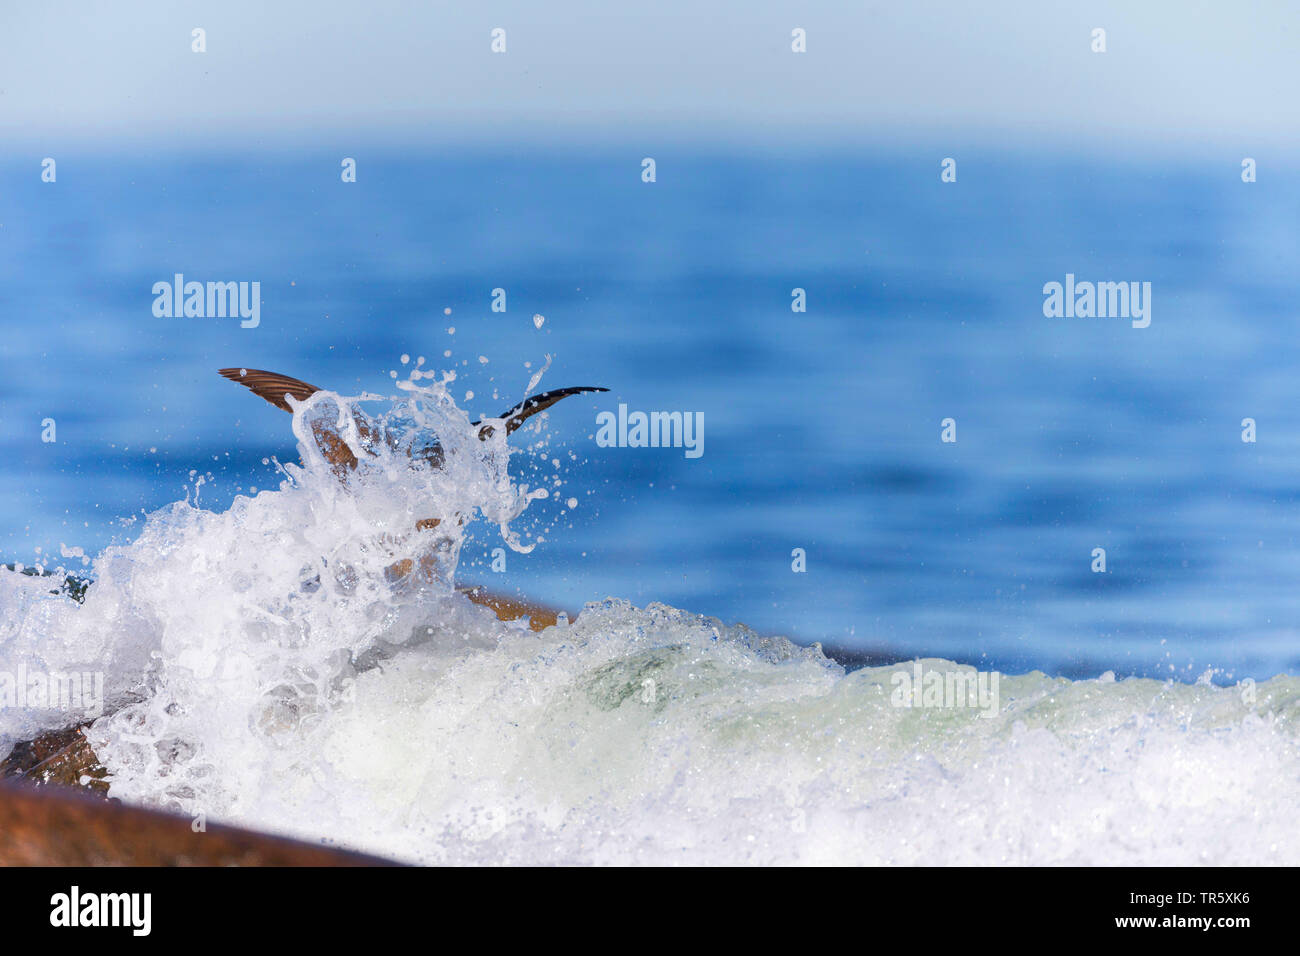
point(278, 389)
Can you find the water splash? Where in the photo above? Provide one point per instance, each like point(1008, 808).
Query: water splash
point(254, 620)
point(267, 666)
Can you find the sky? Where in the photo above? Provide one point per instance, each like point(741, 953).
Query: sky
point(1174, 72)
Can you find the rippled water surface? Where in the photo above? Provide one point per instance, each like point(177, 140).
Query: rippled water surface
point(822, 429)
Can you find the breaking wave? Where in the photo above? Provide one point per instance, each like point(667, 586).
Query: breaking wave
point(302, 663)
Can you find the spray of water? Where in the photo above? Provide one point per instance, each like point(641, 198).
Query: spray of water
point(301, 663)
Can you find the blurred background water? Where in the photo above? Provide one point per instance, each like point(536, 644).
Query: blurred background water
point(822, 429)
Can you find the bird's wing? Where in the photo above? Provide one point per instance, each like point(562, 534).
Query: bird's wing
point(531, 406)
point(273, 387)
point(270, 385)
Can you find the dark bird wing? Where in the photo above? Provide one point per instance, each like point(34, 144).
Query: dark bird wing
point(270, 385)
point(531, 406)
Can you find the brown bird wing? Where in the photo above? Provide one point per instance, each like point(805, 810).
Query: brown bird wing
point(532, 405)
point(273, 387)
point(270, 385)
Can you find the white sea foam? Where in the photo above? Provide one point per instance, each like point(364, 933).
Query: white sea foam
point(266, 669)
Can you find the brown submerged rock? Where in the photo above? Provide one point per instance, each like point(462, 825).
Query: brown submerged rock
point(61, 757)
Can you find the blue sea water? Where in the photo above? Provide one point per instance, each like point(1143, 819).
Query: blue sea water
point(822, 429)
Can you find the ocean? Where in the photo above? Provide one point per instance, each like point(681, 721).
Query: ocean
point(1106, 547)
point(822, 428)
